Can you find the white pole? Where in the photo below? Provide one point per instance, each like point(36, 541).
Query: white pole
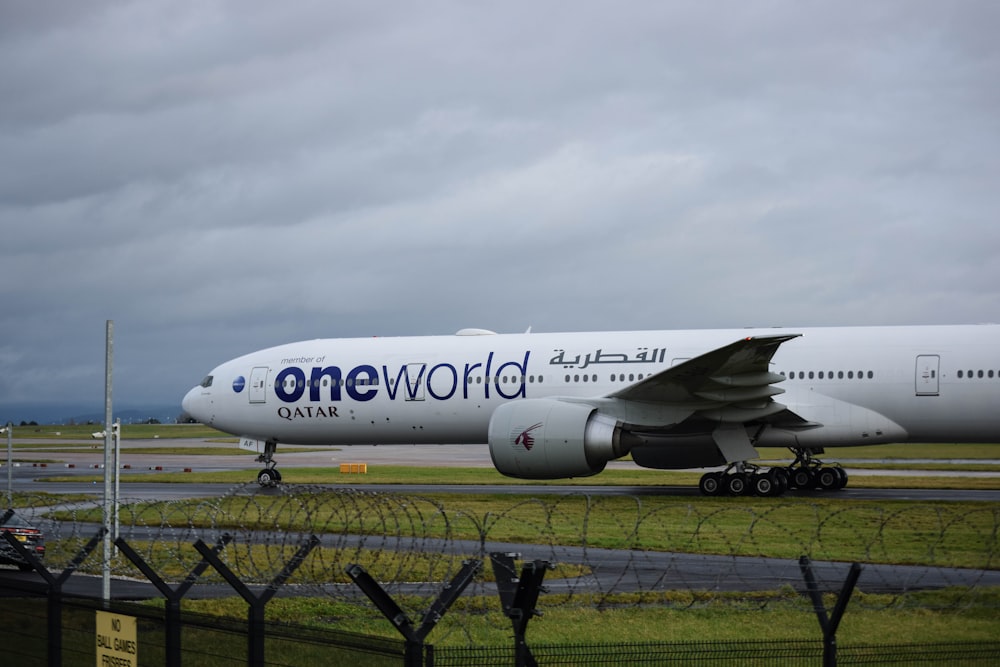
point(108, 365)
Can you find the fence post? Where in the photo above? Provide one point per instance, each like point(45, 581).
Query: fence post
point(518, 597)
point(172, 610)
point(829, 623)
point(256, 604)
point(414, 652)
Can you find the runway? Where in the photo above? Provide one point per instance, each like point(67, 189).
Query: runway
point(88, 462)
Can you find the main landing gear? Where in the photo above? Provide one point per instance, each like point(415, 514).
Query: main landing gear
point(269, 475)
point(742, 478)
point(808, 472)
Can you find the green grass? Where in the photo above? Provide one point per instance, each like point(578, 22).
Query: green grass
point(392, 475)
point(961, 534)
point(477, 621)
point(939, 616)
point(953, 533)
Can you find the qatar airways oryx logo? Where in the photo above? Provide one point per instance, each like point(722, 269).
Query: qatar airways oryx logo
point(526, 438)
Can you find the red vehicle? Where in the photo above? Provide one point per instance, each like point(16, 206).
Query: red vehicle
point(29, 537)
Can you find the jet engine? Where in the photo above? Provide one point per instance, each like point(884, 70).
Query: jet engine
point(552, 439)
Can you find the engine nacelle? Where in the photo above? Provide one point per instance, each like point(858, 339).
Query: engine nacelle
point(547, 438)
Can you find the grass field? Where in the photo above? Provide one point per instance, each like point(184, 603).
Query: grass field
point(396, 475)
point(940, 533)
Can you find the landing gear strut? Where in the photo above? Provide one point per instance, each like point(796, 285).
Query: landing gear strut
point(808, 472)
point(269, 475)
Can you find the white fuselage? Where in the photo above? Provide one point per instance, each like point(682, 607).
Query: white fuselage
point(937, 383)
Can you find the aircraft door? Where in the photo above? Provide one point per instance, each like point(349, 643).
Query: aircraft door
point(258, 384)
point(928, 371)
point(414, 374)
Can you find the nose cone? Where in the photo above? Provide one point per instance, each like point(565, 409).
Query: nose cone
point(193, 403)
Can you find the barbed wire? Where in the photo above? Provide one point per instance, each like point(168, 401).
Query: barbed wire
point(607, 550)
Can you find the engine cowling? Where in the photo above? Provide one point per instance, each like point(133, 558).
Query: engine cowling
point(547, 438)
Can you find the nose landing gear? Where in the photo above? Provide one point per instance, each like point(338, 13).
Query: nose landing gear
point(269, 476)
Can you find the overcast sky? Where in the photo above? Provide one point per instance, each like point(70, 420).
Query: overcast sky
point(218, 177)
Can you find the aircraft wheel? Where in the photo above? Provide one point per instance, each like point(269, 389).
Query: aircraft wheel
point(710, 484)
point(801, 478)
point(842, 474)
point(765, 484)
point(780, 476)
point(828, 479)
point(268, 477)
point(736, 484)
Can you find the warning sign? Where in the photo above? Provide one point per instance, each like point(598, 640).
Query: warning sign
point(116, 640)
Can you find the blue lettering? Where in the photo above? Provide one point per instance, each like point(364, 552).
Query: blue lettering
point(365, 391)
point(392, 384)
point(332, 372)
point(294, 393)
point(362, 383)
point(454, 382)
point(467, 380)
point(519, 378)
point(486, 384)
point(413, 386)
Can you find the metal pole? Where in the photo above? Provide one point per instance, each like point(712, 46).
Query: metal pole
point(10, 465)
point(117, 466)
point(108, 365)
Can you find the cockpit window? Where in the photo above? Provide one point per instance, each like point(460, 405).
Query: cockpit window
point(207, 382)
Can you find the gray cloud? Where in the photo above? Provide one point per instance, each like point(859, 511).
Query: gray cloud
point(219, 176)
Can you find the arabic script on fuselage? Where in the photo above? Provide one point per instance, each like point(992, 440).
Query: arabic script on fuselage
point(643, 355)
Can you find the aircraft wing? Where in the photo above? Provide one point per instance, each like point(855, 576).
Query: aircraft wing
point(731, 386)
point(737, 373)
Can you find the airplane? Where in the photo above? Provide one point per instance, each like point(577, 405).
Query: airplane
point(562, 405)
